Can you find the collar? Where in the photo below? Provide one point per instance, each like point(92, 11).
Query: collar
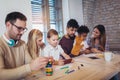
point(51, 47)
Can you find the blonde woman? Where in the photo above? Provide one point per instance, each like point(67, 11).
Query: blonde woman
point(35, 44)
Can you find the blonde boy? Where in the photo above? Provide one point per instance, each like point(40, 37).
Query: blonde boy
point(53, 49)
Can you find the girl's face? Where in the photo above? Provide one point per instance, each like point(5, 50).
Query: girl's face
point(53, 40)
point(96, 33)
point(39, 41)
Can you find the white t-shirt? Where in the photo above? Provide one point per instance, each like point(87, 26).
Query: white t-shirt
point(55, 52)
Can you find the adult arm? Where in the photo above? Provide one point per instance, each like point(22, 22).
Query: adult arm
point(12, 74)
point(63, 53)
point(21, 71)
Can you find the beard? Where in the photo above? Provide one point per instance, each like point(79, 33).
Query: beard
point(16, 38)
point(19, 37)
point(71, 37)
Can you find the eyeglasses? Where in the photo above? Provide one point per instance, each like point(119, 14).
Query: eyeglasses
point(20, 28)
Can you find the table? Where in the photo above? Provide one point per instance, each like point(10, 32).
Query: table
point(89, 69)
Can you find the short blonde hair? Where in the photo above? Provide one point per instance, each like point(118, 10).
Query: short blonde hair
point(51, 32)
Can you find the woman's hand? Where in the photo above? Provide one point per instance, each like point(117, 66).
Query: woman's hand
point(94, 50)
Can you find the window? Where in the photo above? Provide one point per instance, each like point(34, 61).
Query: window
point(47, 14)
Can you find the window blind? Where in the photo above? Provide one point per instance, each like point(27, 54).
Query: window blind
point(36, 11)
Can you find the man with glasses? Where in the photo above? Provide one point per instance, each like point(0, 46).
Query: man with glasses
point(15, 62)
point(19, 28)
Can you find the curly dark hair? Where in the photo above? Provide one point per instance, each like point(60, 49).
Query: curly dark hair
point(83, 29)
point(72, 23)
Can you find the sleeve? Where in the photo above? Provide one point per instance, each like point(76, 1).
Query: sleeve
point(12, 74)
point(1, 59)
point(62, 44)
point(61, 50)
point(77, 47)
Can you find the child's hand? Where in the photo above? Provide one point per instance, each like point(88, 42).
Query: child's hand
point(61, 62)
point(86, 51)
point(95, 50)
point(67, 61)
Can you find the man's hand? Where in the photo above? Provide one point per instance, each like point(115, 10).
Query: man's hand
point(39, 63)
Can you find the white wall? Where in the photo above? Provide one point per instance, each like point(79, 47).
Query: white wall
point(7, 6)
point(72, 9)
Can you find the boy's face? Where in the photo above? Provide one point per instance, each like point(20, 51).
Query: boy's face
point(71, 31)
point(83, 35)
point(53, 40)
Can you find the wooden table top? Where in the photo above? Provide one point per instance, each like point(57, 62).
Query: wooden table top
point(83, 68)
